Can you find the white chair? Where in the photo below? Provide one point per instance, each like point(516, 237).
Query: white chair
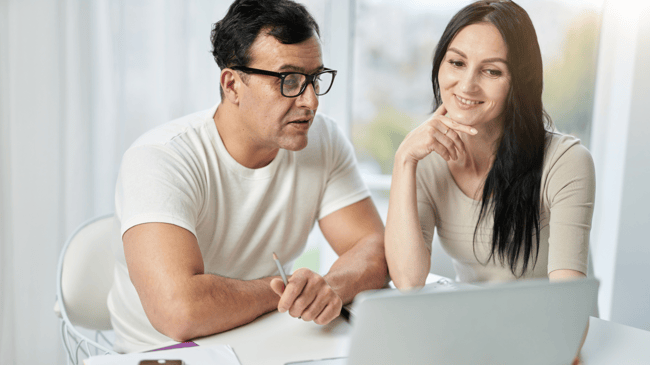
point(84, 278)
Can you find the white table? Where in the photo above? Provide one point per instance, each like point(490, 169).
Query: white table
point(612, 343)
point(277, 338)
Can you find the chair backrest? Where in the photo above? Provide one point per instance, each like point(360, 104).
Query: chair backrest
point(87, 273)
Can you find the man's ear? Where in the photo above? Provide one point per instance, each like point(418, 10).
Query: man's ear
point(230, 82)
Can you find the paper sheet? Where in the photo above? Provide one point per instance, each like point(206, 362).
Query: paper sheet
point(217, 354)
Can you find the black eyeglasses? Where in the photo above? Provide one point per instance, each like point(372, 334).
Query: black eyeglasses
point(294, 83)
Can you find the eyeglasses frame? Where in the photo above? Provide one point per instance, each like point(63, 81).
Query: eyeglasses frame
point(309, 79)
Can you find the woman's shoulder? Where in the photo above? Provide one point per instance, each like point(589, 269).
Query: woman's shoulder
point(565, 149)
point(567, 162)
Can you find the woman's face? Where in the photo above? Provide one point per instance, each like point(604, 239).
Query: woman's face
point(474, 78)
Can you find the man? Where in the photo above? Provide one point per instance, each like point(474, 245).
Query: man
point(205, 200)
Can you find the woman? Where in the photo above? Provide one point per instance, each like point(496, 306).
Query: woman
point(509, 197)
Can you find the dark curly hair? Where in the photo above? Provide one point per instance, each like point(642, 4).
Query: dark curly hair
point(232, 36)
point(512, 187)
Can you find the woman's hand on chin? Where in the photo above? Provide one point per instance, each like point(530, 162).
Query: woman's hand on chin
point(439, 134)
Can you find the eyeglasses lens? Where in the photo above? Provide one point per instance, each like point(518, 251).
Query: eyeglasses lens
point(294, 83)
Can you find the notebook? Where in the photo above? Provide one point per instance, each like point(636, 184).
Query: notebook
point(524, 322)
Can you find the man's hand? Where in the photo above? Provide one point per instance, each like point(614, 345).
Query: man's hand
point(308, 296)
point(356, 234)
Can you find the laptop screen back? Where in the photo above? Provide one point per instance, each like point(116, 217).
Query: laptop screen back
point(525, 322)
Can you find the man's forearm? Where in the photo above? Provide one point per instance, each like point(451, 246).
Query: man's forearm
point(206, 304)
point(363, 267)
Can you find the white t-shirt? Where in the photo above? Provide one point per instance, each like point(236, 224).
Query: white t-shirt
point(181, 173)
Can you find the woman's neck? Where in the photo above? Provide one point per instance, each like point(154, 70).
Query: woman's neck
point(480, 149)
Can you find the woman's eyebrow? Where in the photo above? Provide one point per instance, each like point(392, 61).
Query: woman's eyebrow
point(452, 49)
point(487, 60)
point(495, 59)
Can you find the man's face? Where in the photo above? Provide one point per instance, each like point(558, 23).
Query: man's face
point(271, 120)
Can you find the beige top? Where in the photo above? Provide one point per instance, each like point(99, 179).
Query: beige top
point(568, 191)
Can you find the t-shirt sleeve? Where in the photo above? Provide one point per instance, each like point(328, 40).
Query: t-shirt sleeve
point(344, 184)
point(154, 185)
point(570, 192)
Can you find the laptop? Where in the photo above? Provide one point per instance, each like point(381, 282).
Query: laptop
point(523, 322)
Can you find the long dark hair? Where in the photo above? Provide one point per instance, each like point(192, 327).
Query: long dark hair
point(512, 187)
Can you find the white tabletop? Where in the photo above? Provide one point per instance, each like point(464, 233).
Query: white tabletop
point(277, 338)
point(612, 343)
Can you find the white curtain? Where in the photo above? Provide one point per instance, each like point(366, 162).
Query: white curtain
point(79, 81)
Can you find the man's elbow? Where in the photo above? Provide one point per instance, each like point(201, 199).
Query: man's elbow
point(179, 334)
point(181, 329)
point(379, 272)
point(376, 263)
point(177, 321)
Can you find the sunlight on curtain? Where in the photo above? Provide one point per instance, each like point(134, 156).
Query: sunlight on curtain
point(79, 81)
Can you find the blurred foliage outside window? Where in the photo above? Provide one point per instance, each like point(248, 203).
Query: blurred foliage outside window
point(394, 46)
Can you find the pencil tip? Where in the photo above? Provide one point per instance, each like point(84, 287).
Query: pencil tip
point(275, 257)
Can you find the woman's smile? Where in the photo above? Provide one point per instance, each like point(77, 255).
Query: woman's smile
point(467, 102)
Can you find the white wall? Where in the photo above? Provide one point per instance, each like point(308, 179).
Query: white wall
point(631, 294)
point(621, 132)
point(6, 268)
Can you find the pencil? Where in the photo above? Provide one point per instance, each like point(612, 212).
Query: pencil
point(277, 262)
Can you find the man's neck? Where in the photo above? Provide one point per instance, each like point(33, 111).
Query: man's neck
point(239, 144)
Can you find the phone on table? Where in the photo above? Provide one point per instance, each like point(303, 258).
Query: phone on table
point(161, 362)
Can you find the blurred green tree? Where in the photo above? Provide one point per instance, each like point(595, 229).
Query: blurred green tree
point(382, 136)
point(569, 81)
